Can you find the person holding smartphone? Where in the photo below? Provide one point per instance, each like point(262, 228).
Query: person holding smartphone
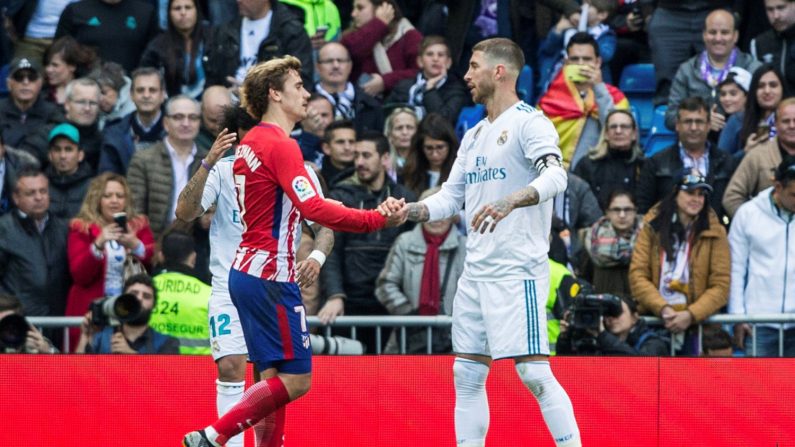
point(578, 100)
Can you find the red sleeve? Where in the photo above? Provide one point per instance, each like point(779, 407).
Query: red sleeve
point(360, 42)
point(409, 50)
point(144, 233)
point(83, 266)
point(293, 179)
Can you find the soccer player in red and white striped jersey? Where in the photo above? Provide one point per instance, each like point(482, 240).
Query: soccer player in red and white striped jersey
point(274, 194)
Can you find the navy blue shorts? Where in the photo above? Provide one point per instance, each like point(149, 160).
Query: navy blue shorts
point(273, 318)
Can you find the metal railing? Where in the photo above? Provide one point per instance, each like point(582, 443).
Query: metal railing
point(431, 323)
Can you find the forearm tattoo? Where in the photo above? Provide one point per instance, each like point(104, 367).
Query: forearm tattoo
point(418, 212)
point(324, 240)
point(524, 197)
point(191, 195)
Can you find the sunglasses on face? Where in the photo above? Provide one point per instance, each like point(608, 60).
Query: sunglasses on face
point(22, 75)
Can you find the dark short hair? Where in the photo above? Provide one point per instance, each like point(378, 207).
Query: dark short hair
point(583, 38)
point(141, 278)
point(714, 339)
point(607, 6)
point(692, 104)
point(147, 71)
point(177, 247)
point(10, 302)
point(27, 171)
point(328, 135)
point(503, 50)
point(236, 118)
point(785, 172)
point(381, 143)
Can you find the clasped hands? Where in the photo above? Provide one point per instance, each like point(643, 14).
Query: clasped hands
point(396, 212)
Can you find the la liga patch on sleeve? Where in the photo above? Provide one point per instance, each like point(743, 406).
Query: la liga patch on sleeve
point(303, 188)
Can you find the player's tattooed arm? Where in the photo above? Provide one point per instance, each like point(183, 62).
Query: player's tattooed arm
point(417, 212)
point(324, 239)
point(189, 205)
point(524, 197)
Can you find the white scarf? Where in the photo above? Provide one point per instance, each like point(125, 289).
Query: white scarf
point(379, 50)
point(342, 102)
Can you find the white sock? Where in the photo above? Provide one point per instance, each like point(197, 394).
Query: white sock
point(471, 403)
point(227, 395)
point(553, 400)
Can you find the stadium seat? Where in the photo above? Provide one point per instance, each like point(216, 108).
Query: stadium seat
point(637, 78)
point(468, 117)
point(637, 83)
point(658, 121)
point(658, 142)
point(524, 85)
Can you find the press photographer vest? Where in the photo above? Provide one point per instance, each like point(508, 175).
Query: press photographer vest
point(181, 311)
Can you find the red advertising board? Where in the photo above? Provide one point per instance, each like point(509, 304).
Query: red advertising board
point(401, 400)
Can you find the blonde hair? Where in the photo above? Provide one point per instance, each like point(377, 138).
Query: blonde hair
point(263, 77)
point(601, 149)
point(91, 212)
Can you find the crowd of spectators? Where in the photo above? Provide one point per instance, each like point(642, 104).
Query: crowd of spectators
point(110, 107)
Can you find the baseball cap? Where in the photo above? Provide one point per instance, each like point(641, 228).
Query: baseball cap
point(690, 181)
point(739, 76)
point(64, 130)
point(23, 63)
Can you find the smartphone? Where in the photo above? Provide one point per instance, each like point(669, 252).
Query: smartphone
point(322, 29)
point(121, 220)
point(763, 131)
point(572, 73)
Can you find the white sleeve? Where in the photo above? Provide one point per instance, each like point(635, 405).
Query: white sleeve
point(540, 146)
point(448, 202)
point(738, 244)
point(212, 187)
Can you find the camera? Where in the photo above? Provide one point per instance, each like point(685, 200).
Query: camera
point(335, 345)
point(585, 312)
point(13, 331)
point(112, 311)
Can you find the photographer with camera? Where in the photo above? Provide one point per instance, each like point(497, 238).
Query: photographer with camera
point(17, 336)
point(99, 335)
point(617, 332)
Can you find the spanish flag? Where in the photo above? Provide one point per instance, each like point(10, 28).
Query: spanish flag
point(568, 111)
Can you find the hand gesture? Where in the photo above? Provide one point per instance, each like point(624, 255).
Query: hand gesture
point(110, 232)
point(431, 83)
point(488, 216)
point(314, 123)
point(223, 141)
point(306, 272)
point(593, 75)
point(678, 321)
point(385, 13)
point(128, 240)
point(741, 330)
point(755, 139)
point(334, 307)
point(119, 345)
point(35, 343)
point(395, 211)
point(716, 120)
point(375, 86)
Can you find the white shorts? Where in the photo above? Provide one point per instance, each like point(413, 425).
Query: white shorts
point(226, 333)
point(501, 319)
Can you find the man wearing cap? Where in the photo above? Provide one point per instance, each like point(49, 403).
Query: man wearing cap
point(25, 117)
point(763, 264)
point(68, 173)
point(693, 152)
point(755, 172)
point(82, 111)
point(701, 74)
point(33, 260)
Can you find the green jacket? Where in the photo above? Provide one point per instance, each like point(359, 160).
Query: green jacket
point(556, 273)
point(316, 13)
point(181, 310)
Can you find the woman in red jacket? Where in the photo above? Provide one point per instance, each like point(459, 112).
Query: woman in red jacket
point(97, 245)
point(383, 45)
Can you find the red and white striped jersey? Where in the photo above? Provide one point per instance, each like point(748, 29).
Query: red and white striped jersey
point(274, 194)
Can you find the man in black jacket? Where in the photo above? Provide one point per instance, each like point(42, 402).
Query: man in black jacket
point(12, 161)
point(777, 45)
point(350, 102)
point(692, 152)
point(351, 270)
point(33, 260)
point(270, 30)
point(68, 172)
point(25, 117)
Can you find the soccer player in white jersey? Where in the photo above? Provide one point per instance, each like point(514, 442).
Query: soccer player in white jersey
point(507, 170)
point(215, 187)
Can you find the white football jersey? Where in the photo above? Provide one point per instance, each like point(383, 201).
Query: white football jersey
point(496, 159)
point(226, 230)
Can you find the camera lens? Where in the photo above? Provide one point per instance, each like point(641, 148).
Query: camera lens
point(13, 331)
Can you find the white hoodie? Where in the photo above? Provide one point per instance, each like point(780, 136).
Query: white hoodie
point(762, 240)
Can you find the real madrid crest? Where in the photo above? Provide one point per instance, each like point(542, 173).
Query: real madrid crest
point(503, 138)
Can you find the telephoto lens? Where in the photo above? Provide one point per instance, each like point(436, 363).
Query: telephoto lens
point(335, 345)
point(13, 331)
